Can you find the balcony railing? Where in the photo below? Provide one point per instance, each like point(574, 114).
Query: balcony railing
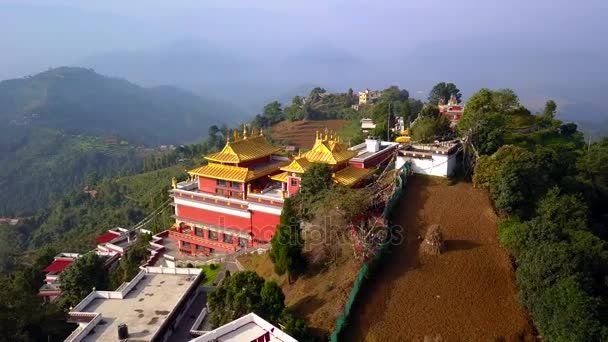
point(202, 241)
point(208, 198)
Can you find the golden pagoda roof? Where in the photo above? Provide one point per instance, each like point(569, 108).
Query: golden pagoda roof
point(329, 150)
point(298, 165)
point(281, 177)
point(243, 149)
point(351, 175)
point(235, 173)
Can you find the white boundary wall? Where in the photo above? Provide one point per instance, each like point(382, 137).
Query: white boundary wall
point(441, 165)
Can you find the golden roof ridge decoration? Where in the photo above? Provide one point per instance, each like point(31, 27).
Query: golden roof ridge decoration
point(244, 149)
point(328, 149)
point(298, 165)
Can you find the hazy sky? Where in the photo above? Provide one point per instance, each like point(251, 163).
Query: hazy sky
point(526, 44)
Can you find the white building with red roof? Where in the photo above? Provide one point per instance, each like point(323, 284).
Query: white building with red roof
point(51, 288)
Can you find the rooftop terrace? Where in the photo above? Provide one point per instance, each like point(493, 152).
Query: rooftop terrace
point(144, 305)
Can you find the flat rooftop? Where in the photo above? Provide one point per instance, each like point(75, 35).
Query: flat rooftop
point(143, 309)
point(250, 327)
point(363, 153)
point(443, 147)
point(247, 332)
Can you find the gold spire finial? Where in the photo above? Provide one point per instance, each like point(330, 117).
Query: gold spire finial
point(174, 183)
point(236, 135)
point(326, 131)
point(254, 132)
point(227, 137)
point(244, 131)
point(261, 132)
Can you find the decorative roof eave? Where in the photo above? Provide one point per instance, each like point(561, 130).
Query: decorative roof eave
point(235, 173)
point(351, 175)
point(298, 165)
point(265, 171)
point(281, 177)
point(223, 172)
point(243, 150)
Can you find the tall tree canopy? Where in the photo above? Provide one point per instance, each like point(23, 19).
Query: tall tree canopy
point(560, 269)
point(245, 292)
point(485, 117)
point(429, 128)
point(443, 91)
point(394, 94)
point(287, 244)
point(81, 277)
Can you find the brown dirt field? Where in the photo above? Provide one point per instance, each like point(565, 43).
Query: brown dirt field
point(320, 297)
point(467, 293)
point(302, 133)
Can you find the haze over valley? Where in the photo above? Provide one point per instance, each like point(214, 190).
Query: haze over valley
point(247, 53)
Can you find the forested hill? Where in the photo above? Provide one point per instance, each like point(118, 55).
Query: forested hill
point(39, 164)
point(80, 101)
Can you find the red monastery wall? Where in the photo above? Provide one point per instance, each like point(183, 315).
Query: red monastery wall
point(207, 184)
point(214, 218)
point(264, 225)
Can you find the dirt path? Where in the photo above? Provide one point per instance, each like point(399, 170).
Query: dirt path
point(466, 294)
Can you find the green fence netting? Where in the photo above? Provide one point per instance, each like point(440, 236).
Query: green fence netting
point(391, 204)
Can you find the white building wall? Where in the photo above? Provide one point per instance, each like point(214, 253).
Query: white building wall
point(439, 165)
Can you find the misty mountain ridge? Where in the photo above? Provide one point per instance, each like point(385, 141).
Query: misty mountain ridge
point(250, 79)
point(80, 101)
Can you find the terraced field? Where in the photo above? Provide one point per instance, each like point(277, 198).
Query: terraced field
point(302, 133)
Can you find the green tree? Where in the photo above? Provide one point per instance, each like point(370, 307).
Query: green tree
point(296, 327)
point(415, 107)
point(315, 94)
point(273, 112)
point(592, 168)
point(129, 264)
point(242, 293)
point(427, 129)
point(550, 109)
point(273, 300)
point(317, 179)
point(443, 91)
point(81, 277)
point(502, 101)
point(295, 112)
point(287, 244)
point(393, 94)
point(429, 111)
point(484, 132)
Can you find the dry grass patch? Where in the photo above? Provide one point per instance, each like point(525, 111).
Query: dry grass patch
point(319, 296)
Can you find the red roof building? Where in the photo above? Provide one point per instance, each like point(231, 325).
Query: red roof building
point(51, 289)
point(107, 237)
point(58, 265)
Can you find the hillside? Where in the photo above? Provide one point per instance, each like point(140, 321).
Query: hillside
point(40, 164)
point(73, 220)
point(80, 101)
point(302, 133)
